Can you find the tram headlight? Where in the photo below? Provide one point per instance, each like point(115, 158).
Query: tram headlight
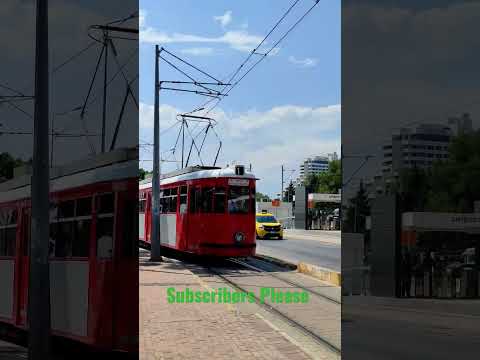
point(239, 237)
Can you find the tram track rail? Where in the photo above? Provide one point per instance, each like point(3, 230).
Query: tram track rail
point(288, 281)
point(283, 316)
point(217, 270)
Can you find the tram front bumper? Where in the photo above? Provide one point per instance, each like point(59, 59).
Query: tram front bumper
point(218, 249)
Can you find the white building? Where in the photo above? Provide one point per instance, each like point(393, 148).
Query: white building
point(312, 166)
point(419, 146)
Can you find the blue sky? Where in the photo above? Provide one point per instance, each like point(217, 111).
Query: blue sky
point(286, 109)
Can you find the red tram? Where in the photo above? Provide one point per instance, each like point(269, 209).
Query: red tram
point(203, 211)
point(93, 252)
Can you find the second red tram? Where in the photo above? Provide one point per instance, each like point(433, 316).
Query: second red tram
point(93, 252)
point(203, 211)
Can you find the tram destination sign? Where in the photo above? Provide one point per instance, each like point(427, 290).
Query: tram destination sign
point(238, 182)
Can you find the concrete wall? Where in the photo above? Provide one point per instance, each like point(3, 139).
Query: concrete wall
point(283, 213)
point(384, 246)
point(300, 207)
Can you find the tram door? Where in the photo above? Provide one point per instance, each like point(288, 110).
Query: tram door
point(23, 268)
point(182, 218)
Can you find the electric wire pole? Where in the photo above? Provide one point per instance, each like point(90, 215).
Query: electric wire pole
point(155, 254)
point(105, 84)
point(281, 194)
point(39, 277)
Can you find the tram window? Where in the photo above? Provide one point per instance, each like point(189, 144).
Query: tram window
point(105, 238)
point(207, 200)
point(81, 242)
point(141, 207)
point(183, 199)
point(194, 199)
point(253, 205)
point(172, 206)
point(66, 209)
point(26, 234)
point(219, 201)
point(53, 211)
point(162, 205)
point(130, 233)
point(8, 241)
point(8, 231)
point(84, 207)
point(52, 239)
point(238, 199)
point(8, 217)
point(64, 239)
point(106, 203)
point(167, 200)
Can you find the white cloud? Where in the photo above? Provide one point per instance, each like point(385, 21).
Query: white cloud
point(224, 19)
point(238, 40)
point(266, 139)
point(167, 116)
point(307, 62)
point(198, 51)
point(285, 116)
point(142, 14)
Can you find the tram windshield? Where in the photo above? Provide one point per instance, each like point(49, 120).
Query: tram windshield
point(238, 199)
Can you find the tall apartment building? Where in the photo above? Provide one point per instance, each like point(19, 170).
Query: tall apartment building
point(419, 146)
point(461, 125)
point(313, 165)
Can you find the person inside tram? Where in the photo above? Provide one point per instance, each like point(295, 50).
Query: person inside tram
point(232, 206)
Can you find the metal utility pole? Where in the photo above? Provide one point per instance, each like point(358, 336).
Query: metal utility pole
point(155, 254)
point(105, 84)
point(281, 194)
point(39, 277)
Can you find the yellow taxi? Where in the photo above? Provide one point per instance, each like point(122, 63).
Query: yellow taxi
point(268, 227)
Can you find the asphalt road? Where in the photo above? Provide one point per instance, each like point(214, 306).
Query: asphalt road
point(423, 329)
point(320, 248)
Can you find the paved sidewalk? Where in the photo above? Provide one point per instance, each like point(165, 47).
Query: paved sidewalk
point(200, 330)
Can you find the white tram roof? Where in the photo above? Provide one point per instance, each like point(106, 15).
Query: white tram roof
point(196, 172)
point(115, 165)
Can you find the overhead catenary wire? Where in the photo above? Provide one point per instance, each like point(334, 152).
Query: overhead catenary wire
point(185, 117)
point(195, 82)
point(263, 56)
point(193, 66)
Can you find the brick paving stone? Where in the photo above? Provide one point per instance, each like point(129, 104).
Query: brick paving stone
point(199, 330)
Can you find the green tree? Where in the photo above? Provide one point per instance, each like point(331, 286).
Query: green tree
point(289, 192)
point(259, 197)
point(7, 164)
point(413, 188)
point(144, 174)
point(356, 212)
point(328, 182)
point(454, 184)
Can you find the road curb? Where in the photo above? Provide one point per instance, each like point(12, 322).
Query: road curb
point(327, 275)
point(324, 274)
point(276, 261)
